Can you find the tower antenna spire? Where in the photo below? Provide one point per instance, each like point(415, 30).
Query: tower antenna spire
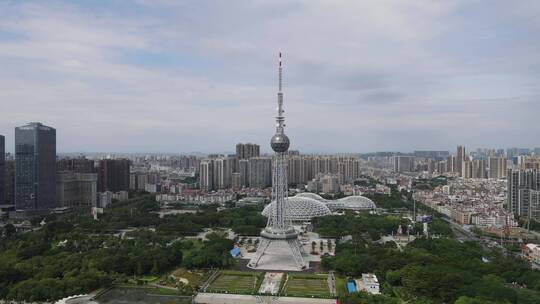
point(280, 119)
point(280, 72)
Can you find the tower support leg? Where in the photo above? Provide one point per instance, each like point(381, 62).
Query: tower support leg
point(263, 246)
point(296, 249)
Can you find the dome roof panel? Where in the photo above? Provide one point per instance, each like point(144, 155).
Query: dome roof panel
point(355, 202)
point(301, 209)
point(311, 195)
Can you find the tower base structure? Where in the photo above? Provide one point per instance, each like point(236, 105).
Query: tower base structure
point(279, 250)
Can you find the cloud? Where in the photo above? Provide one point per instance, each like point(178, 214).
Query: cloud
point(184, 76)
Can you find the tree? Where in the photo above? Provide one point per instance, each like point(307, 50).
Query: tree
point(468, 300)
point(155, 268)
point(9, 230)
point(365, 298)
point(140, 270)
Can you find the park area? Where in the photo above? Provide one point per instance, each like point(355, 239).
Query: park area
point(236, 282)
point(194, 278)
point(299, 285)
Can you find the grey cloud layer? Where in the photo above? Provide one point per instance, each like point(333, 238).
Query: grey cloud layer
point(199, 76)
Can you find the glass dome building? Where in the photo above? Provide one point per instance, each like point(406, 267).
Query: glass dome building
point(305, 206)
point(312, 196)
point(301, 209)
point(355, 202)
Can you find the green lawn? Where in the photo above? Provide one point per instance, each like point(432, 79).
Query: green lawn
point(150, 289)
point(194, 278)
point(235, 282)
point(307, 286)
point(149, 278)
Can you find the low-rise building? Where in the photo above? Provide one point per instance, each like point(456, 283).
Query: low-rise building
point(251, 201)
point(531, 252)
point(369, 283)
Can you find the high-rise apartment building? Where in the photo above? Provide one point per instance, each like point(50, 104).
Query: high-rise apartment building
point(206, 175)
point(403, 163)
point(294, 170)
point(304, 168)
point(330, 183)
point(256, 171)
point(497, 167)
point(239, 165)
point(35, 176)
point(441, 167)
point(77, 165)
point(236, 181)
point(293, 153)
point(514, 183)
point(113, 175)
point(451, 163)
point(534, 201)
point(240, 151)
point(527, 162)
point(2, 170)
point(523, 193)
point(216, 173)
point(223, 168)
point(76, 189)
point(349, 169)
point(492, 167)
point(510, 153)
point(528, 204)
point(243, 170)
point(140, 180)
point(247, 151)
point(260, 172)
point(479, 168)
point(467, 169)
point(460, 158)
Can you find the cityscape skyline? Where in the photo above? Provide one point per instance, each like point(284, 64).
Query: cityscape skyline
point(267, 151)
point(146, 77)
point(523, 150)
point(144, 159)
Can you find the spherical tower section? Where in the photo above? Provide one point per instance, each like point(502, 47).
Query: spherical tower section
point(280, 142)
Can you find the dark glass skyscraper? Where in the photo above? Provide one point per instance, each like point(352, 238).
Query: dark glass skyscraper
point(35, 168)
point(9, 182)
point(2, 169)
point(113, 175)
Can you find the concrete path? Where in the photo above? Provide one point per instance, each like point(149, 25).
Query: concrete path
point(217, 298)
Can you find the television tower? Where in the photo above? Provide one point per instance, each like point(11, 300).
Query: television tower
point(279, 231)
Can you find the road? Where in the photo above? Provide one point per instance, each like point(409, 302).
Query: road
point(463, 234)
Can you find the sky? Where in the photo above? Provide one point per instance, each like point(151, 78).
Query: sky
point(201, 76)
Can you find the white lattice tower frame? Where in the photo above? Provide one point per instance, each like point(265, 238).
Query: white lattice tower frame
point(279, 229)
